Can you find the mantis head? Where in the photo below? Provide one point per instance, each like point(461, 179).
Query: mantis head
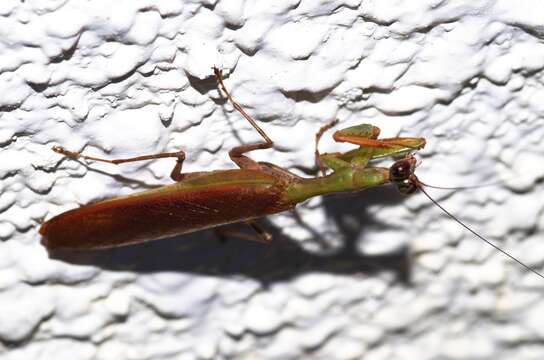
point(401, 173)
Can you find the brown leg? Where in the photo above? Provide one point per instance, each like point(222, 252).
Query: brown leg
point(260, 234)
point(236, 154)
point(176, 174)
point(318, 136)
point(264, 235)
point(375, 143)
point(366, 142)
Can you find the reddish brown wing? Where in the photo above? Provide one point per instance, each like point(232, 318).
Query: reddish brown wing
point(171, 210)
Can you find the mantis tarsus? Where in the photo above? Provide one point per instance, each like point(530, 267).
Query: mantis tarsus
point(202, 200)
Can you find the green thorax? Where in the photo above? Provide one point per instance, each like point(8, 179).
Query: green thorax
point(345, 180)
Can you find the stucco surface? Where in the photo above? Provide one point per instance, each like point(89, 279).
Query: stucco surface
point(373, 275)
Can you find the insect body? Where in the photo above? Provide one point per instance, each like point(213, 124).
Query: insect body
point(208, 199)
point(204, 200)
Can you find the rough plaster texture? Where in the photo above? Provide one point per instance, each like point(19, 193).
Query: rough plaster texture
point(372, 275)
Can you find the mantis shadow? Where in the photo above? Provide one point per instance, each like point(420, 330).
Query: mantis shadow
point(205, 254)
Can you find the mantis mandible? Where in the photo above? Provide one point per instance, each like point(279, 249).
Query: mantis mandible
point(202, 200)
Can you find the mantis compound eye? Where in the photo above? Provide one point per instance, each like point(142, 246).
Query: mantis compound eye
point(401, 173)
point(400, 170)
point(406, 187)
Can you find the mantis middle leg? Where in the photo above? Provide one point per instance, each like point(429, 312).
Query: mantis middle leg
point(237, 154)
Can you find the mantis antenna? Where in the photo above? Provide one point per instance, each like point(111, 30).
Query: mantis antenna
point(402, 174)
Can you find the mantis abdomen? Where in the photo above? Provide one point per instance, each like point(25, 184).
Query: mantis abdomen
point(205, 202)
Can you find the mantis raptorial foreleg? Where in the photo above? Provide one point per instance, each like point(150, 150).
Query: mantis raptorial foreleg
point(370, 147)
point(324, 161)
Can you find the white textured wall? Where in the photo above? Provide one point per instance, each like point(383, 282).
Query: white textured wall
point(374, 275)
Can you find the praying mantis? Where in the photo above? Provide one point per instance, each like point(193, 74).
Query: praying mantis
point(208, 199)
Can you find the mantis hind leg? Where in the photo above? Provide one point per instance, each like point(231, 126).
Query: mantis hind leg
point(259, 234)
point(237, 153)
point(176, 173)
